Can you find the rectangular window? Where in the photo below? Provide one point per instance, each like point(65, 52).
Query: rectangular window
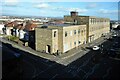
point(79, 31)
point(65, 33)
point(74, 43)
point(79, 42)
point(54, 33)
point(70, 33)
point(74, 31)
point(82, 32)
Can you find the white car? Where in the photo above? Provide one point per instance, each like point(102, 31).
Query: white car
point(96, 48)
point(114, 35)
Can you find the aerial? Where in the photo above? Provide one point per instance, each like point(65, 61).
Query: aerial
point(52, 39)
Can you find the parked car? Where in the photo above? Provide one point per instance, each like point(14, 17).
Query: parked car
point(96, 48)
point(89, 47)
point(114, 35)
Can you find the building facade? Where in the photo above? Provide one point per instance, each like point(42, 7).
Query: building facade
point(96, 26)
point(61, 38)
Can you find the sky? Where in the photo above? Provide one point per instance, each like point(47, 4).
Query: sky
point(59, 8)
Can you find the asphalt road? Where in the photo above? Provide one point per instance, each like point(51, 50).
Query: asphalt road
point(92, 66)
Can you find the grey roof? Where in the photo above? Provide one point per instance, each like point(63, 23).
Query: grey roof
point(59, 25)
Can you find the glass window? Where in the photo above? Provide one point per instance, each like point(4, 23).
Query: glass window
point(74, 43)
point(54, 33)
point(79, 31)
point(74, 31)
point(82, 32)
point(65, 33)
point(79, 42)
point(70, 33)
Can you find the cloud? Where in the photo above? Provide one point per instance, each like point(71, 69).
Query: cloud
point(42, 5)
point(92, 5)
point(11, 2)
point(78, 10)
point(58, 8)
point(104, 11)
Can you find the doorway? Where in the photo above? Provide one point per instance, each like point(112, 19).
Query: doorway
point(48, 49)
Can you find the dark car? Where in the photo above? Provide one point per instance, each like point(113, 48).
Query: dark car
point(89, 47)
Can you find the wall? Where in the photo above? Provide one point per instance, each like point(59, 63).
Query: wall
point(72, 40)
point(46, 37)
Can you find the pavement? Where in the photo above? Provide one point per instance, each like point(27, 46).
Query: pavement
point(63, 58)
point(91, 66)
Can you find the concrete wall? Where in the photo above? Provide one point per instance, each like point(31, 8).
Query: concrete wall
point(95, 26)
point(67, 43)
point(73, 40)
point(46, 37)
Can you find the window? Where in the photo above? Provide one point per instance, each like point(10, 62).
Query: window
point(74, 31)
point(79, 42)
point(82, 32)
point(70, 33)
point(79, 31)
point(92, 21)
point(65, 33)
point(54, 33)
point(74, 43)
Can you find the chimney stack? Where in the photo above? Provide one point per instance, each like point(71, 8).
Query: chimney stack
point(74, 13)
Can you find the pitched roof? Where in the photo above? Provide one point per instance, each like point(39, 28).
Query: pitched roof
point(11, 24)
point(20, 26)
point(30, 26)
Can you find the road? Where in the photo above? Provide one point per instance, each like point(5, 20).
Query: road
point(91, 66)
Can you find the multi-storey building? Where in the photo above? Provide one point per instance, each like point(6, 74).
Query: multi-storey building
point(95, 26)
point(64, 37)
point(61, 37)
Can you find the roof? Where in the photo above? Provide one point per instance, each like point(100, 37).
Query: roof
point(11, 24)
point(60, 25)
point(19, 26)
point(30, 26)
point(88, 16)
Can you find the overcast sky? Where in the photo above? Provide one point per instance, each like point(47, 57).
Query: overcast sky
point(59, 9)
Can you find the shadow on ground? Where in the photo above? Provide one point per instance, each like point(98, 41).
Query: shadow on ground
point(30, 67)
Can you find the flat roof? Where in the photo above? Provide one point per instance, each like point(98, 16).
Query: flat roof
point(61, 25)
point(90, 16)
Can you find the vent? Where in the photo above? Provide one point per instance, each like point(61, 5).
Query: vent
point(44, 27)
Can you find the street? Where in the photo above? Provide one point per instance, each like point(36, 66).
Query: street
point(93, 65)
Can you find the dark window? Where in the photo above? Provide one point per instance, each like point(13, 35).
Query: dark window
point(79, 42)
point(65, 33)
point(82, 32)
point(79, 31)
point(74, 31)
point(54, 33)
point(74, 43)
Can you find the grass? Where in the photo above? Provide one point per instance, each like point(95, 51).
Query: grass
point(12, 38)
point(2, 34)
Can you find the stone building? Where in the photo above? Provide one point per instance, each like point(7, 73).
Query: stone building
point(62, 37)
point(76, 30)
point(95, 26)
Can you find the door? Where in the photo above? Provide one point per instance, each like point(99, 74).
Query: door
point(48, 49)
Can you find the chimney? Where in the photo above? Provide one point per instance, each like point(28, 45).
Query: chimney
point(74, 13)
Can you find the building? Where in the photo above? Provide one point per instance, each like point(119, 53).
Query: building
point(95, 26)
point(76, 30)
point(62, 37)
point(1, 28)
